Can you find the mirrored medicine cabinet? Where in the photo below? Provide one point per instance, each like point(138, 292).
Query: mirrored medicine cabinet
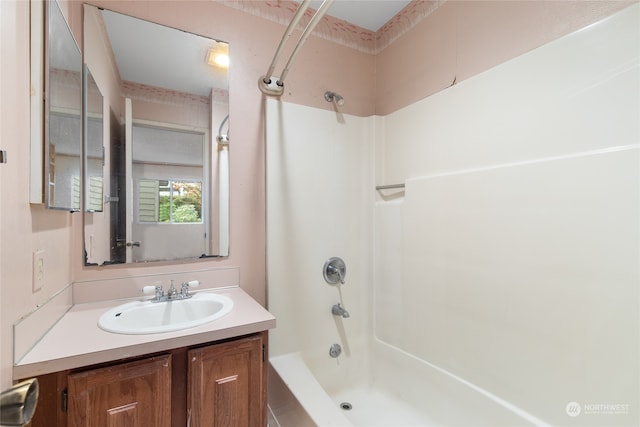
point(138, 124)
point(61, 121)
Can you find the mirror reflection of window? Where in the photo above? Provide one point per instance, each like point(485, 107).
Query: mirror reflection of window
point(169, 201)
point(169, 170)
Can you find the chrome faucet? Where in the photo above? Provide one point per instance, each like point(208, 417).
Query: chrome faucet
point(338, 310)
point(172, 293)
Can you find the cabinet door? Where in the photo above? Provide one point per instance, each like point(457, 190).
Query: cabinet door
point(135, 394)
point(225, 384)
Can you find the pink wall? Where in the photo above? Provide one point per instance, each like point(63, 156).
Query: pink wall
point(422, 62)
point(23, 228)
point(464, 38)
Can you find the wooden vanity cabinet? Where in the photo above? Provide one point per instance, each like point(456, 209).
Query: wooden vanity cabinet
point(225, 384)
point(129, 394)
point(219, 384)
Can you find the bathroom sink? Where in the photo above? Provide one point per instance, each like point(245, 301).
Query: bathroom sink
point(146, 317)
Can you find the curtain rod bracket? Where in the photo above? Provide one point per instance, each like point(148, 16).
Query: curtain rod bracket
point(265, 82)
point(270, 86)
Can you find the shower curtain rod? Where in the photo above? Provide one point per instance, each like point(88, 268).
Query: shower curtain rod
point(265, 82)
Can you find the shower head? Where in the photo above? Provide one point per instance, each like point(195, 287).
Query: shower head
point(334, 97)
point(223, 139)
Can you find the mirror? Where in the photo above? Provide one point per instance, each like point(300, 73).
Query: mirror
point(93, 150)
point(165, 188)
point(63, 106)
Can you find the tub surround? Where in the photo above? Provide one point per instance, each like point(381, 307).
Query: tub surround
point(75, 340)
point(507, 272)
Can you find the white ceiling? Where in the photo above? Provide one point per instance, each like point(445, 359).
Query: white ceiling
point(161, 56)
point(369, 14)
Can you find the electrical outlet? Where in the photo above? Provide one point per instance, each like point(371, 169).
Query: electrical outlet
point(38, 270)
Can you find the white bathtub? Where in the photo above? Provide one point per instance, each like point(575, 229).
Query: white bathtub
point(395, 389)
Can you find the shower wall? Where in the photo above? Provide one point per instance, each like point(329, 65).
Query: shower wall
point(319, 198)
point(514, 254)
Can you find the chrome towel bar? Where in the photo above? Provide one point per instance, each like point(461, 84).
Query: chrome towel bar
point(389, 187)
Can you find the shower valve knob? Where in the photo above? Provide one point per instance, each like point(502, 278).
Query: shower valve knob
point(334, 271)
point(335, 350)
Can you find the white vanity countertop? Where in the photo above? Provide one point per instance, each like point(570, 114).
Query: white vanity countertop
point(76, 340)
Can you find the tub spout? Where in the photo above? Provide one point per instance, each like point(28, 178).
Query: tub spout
point(338, 310)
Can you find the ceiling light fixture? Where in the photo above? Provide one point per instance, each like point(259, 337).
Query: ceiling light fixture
point(217, 57)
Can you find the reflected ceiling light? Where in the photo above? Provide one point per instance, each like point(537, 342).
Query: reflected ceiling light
point(218, 57)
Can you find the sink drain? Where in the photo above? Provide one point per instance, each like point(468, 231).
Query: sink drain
point(346, 406)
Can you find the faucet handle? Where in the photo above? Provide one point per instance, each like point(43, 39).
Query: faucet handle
point(186, 285)
point(151, 289)
point(157, 289)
